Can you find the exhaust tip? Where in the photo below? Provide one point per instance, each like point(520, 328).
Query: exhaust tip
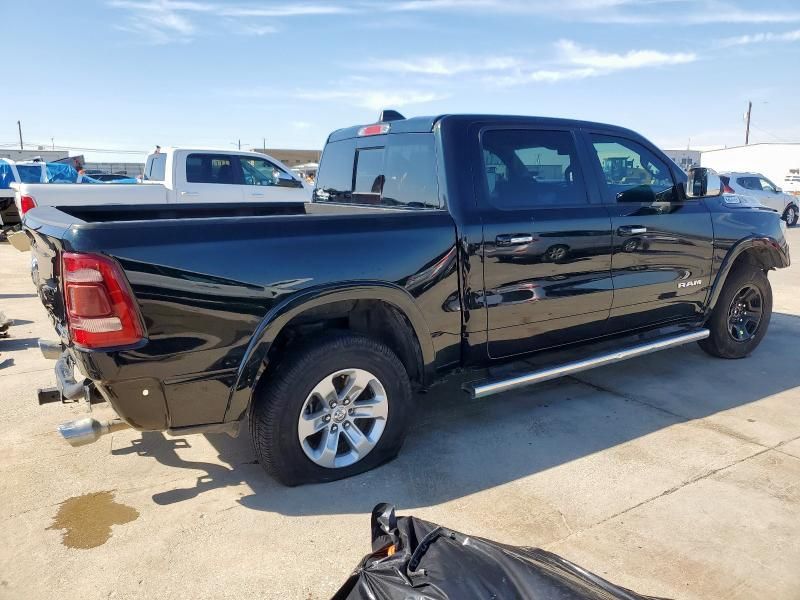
point(88, 430)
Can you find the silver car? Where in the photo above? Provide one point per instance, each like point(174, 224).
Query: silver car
point(757, 187)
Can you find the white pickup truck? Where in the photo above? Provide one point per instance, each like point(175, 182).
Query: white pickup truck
point(180, 175)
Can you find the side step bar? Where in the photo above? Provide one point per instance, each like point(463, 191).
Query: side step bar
point(482, 389)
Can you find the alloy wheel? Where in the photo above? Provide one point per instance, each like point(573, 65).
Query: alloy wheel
point(343, 418)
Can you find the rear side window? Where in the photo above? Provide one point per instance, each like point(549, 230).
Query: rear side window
point(400, 173)
point(526, 168)
point(210, 168)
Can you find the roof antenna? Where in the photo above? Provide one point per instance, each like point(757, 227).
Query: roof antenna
point(390, 115)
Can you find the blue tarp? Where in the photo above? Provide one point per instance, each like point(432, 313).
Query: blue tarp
point(51, 173)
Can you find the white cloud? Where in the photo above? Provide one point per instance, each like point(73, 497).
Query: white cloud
point(757, 38)
point(576, 54)
point(445, 66)
point(164, 21)
point(373, 99)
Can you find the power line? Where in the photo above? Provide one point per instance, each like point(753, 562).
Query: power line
point(780, 139)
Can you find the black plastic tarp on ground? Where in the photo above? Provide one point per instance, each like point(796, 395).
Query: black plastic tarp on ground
point(413, 559)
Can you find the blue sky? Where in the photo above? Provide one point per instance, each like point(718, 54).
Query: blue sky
point(127, 74)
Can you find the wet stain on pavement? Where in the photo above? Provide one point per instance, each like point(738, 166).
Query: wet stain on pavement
point(87, 519)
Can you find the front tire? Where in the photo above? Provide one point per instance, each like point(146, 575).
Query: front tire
point(741, 316)
point(330, 410)
point(790, 215)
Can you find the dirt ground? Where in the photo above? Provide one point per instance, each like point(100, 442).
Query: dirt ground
point(675, 474)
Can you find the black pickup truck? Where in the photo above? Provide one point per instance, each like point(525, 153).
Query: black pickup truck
point(431, 244)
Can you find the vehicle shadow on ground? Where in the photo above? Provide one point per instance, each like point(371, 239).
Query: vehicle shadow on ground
point(461, 446)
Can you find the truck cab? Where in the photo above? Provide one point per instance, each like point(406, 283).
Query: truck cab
point(203, 175)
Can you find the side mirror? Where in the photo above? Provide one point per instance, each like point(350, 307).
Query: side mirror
point(285, 180)
point(703, 183)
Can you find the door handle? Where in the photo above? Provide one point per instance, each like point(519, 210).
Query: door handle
point(257, 195)
point(190, 193)
point(513, 239)
point(631, 230)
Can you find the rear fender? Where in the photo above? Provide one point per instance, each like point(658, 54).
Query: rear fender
point(254, 361)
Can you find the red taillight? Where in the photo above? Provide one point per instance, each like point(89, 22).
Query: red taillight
point(101, 310)
point(726, 189)
point(26, 203)
point(377, 129)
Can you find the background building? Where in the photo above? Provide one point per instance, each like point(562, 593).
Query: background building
point(292, 158)
point(45, 155)
point(685, 159)
point(773, 160)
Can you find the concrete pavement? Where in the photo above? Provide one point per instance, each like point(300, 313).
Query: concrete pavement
point(675, 474)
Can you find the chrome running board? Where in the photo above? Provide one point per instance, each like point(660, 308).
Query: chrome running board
point(482, 389)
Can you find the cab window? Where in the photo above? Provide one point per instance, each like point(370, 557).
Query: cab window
point(527, 168)
point(401, 172)
point(631, 171)
point(259, 171)
point(210, 168)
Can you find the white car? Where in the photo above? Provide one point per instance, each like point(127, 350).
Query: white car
point(180, 175)
point(757, 187)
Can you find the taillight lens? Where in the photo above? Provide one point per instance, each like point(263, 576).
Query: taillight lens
point(726, 189)
point(101, 310)
point(26, 203)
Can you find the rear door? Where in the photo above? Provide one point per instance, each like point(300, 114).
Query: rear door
point(547, 245)
point(210, 177)
point(662, 242)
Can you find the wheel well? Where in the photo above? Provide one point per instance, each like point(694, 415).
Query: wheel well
point(374, 318)
point(762, 257)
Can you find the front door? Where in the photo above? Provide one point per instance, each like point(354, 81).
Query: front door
point(547, 248)
point(663, 242)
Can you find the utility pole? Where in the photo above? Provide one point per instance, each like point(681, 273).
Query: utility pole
point(53, 143)
point(240, 144)
point(747, 120)
point(264, 146)
point(19, 126)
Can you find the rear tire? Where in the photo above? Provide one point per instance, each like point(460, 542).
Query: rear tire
point(790, 215)
point(307, 428)
point(741, 316)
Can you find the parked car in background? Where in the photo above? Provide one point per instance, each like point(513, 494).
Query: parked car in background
point(791, 184)
point(758, 187)
point(181, 175)
point(315, 320)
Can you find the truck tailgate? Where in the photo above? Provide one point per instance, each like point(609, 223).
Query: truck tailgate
point(46, 271)
point(73, 194)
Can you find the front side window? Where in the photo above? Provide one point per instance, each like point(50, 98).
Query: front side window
point(210, 168)
point(632, 171)
point(259, 171)
point(530, 168)
point(766, 185)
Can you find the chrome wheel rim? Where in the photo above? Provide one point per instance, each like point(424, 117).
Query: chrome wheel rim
point(790, 216)
point(343, 418)
point(744, 313)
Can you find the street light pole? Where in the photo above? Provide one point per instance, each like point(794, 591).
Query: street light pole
point(19, 126)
